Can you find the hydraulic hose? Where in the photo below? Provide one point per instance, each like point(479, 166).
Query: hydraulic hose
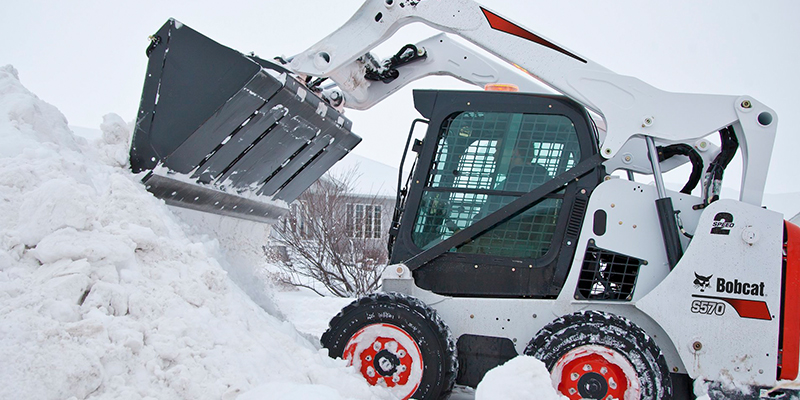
point(712, 182)
point(665, 153)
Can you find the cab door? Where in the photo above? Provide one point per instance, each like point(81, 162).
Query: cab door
point(483, 151)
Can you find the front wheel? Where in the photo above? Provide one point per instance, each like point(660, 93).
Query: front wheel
point(596, 355)
point(395, 341)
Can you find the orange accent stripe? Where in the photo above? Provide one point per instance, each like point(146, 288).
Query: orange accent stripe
point(750, 308)
point(791, 305)
point(501, 87)
point(501, 24)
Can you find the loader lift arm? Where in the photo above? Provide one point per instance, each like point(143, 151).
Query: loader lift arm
point(631, 108)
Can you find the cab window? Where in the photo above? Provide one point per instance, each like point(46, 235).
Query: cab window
point(485, 160)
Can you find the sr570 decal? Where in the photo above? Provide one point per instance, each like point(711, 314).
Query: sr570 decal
point(708, 307)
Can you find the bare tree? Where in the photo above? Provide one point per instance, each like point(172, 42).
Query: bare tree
point(330, 239)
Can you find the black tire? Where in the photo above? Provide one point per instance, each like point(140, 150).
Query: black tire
point(584, 349)
point(403, 315)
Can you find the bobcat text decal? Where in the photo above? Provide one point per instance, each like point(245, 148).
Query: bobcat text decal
point(736, 287)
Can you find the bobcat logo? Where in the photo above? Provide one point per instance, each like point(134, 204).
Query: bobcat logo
point(701, 282)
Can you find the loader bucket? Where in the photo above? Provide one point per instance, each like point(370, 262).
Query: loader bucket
point(230, 134)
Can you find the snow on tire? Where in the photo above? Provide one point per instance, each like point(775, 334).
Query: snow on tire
point(591, 354)
point(395, 341)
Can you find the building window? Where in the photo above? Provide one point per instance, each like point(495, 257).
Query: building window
point(363, 221)
point(376, 232)
point(296, 220)
point(359, 220)
point(349, 224)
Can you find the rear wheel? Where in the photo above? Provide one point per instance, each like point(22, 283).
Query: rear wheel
point(395, 341)
point(596, 355)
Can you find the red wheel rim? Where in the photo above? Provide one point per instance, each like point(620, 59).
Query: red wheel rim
point(386, 356)
point(595, 371)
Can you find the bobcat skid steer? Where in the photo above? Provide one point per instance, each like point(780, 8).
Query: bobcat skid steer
point(513, 235)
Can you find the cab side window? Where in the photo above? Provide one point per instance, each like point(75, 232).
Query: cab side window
point(484, 161)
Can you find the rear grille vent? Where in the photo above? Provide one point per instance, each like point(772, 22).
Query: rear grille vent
point(606, 275)
point(576, 217)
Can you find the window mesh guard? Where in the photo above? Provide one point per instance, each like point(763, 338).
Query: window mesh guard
point(606, 275)
point(483, 162)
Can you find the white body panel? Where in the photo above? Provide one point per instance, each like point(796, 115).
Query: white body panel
point(731, 346)
point(632, 229)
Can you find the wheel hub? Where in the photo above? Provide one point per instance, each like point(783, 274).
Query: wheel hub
point(592, 386)
point(595, 372)
point(387, 356)
point(386, 363)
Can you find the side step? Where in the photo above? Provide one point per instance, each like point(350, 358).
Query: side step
point(232, 130)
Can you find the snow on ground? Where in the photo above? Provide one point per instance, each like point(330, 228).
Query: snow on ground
point(309, 312)
point(104, 295)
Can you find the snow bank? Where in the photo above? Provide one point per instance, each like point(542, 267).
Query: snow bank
point(103, 294)
point(520, 378)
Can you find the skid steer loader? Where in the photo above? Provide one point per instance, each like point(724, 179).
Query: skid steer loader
point(513, 234)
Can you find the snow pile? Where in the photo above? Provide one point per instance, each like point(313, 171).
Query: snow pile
point(517, 379)
point(103, 295)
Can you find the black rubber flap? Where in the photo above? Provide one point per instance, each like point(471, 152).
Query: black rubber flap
point(230, 122)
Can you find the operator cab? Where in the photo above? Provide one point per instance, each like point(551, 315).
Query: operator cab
point(482, 152)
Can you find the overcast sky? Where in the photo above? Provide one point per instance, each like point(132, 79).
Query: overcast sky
point(87, 57)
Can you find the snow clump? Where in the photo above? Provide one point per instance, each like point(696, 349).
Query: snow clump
point(518, 379)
